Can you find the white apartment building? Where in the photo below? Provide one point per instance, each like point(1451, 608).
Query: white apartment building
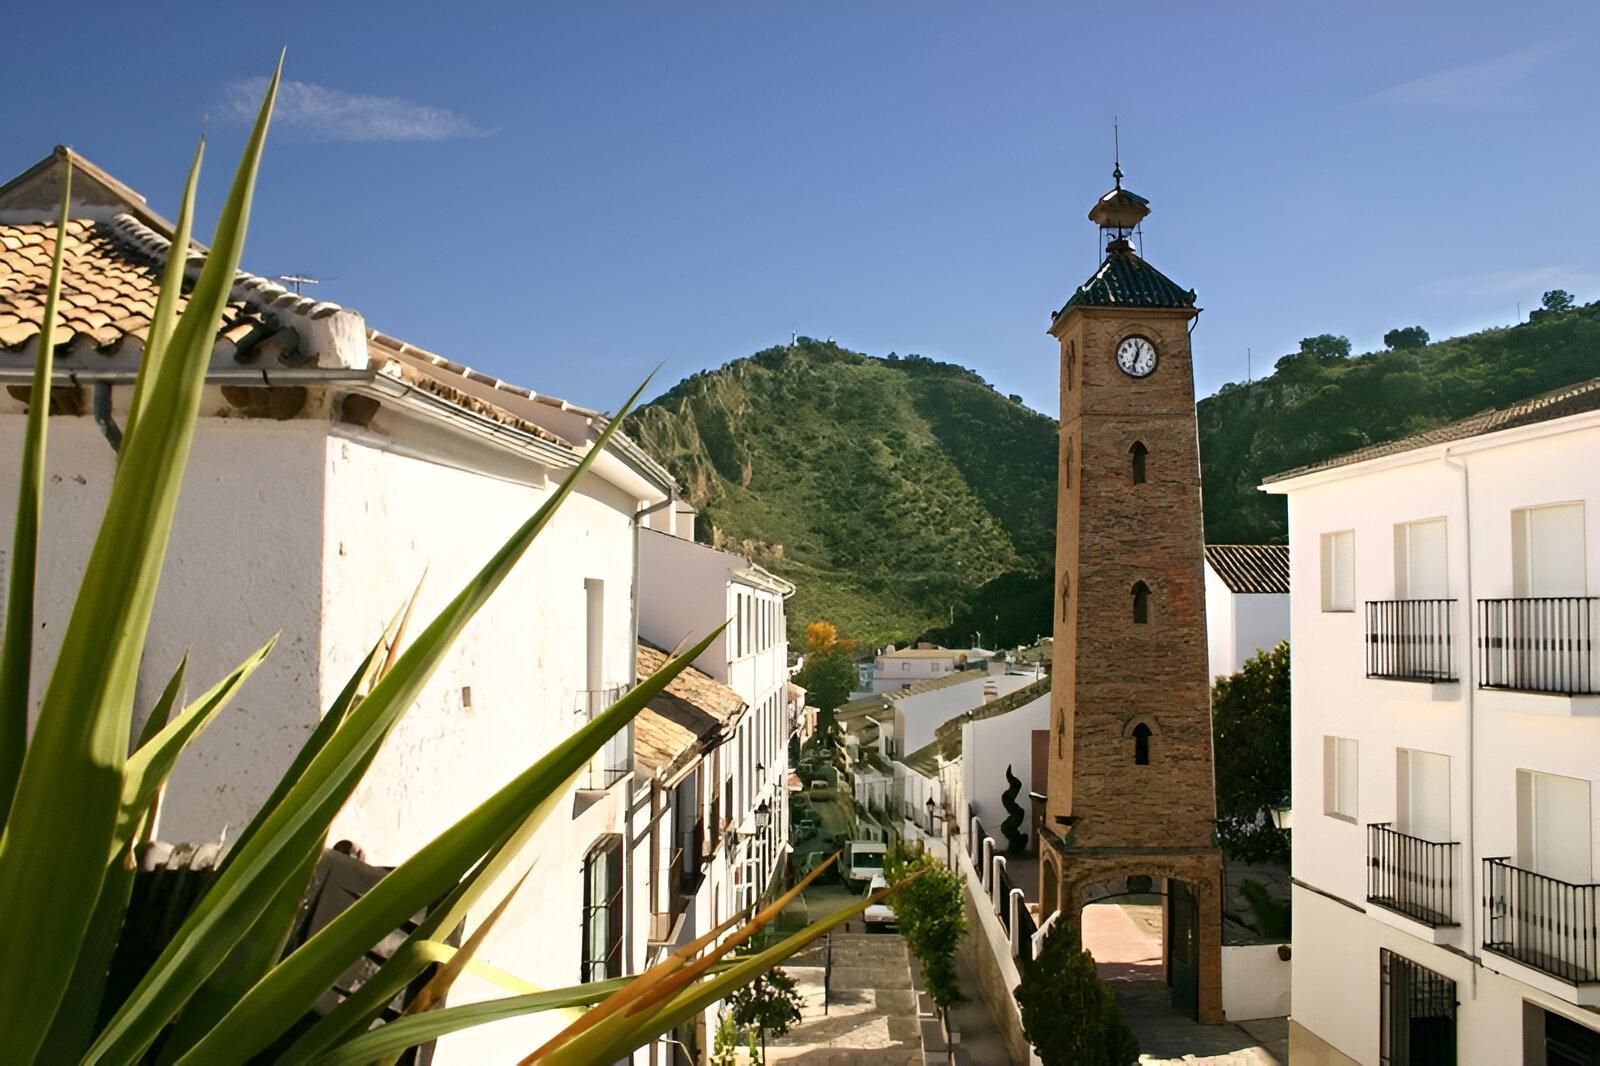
point(731, 812)
point(332, 467)
point(894, 669)
point(1446, 742)
point(1247, 602)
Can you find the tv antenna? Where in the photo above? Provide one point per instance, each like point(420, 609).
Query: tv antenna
point(298, 281)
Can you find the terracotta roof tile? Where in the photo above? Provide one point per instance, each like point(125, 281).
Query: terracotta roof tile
point(687, 718)
point(1251, 568)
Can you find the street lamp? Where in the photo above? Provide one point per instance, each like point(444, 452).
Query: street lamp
point(1282, 814)
point(763, 816)
point(929, 806)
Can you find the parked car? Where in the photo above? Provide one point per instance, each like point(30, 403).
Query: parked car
point(880, 916)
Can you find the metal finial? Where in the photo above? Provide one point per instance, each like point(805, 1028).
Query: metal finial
point(1116, 153)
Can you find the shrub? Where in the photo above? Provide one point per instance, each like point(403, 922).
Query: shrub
point(1068, 1014)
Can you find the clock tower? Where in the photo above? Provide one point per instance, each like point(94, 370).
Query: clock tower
point(1130, 803)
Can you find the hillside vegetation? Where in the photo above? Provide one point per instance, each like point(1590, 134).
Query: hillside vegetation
point(1320, 404)
point(906, 497)
point(889, 490)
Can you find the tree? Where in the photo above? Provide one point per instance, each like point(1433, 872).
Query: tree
point(932, 916)
point(1016, 839)
point(1068, 1014)
point(1326, 347)
point(769, 1004)
point(829, 674)
point(1250, 720)
point(1406, 337)
point(1557, 301)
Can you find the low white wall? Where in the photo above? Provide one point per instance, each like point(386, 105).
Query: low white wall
point(1255, 982)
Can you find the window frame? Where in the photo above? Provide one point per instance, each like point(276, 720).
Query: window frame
point(1332, 602)
point(1335, 752)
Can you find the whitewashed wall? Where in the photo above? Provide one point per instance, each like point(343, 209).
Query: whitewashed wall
point(990, 745)
point(920, 715)
point(1238, 625)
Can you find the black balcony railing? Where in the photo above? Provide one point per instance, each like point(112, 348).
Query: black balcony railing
point(1412, 876)
point(614, 761)
point(1411, 640)
point(1539, 644)
point(1541, 921)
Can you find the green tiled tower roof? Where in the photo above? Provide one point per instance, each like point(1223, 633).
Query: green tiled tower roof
point(1125, 280)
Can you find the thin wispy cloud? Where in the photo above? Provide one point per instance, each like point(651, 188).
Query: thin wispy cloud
point(1491, 82)
point(334, 115)
point(1506, 283)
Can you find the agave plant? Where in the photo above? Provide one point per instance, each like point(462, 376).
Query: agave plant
point(74, 802)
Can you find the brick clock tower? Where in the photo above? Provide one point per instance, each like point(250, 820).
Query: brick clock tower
point(1130, 804)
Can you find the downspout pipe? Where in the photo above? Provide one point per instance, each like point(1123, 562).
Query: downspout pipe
point(1469, 702)
point(103, 418)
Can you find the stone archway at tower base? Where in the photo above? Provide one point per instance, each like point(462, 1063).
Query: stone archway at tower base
point(1191, 931)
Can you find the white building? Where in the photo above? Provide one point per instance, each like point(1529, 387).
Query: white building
point(731, 811)
point(1446, 742)
point(1247, 602)
point(333, 465)
point(908, 717)
point(894, 669)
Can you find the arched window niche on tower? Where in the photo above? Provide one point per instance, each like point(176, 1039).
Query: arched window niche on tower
point(1136, 456)
point(1066, 594)
point(1140, 731)
point(1066, 469)
point(1141, 603)
point(1072, 363)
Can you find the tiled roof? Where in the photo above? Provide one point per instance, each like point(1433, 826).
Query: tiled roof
point(110, 278)
point(1251, 568)
point(923, 653)
point(1125, 280)
point(685, 719)
point(1558, 403)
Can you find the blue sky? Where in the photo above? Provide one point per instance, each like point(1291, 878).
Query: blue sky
point(568, 195)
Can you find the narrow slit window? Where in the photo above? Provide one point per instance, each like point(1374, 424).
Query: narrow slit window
point(1141, 603)
point(1141, 744)
point(1136, 454)
point(1072, 362)
point(1066, 593)
point(1066, 469)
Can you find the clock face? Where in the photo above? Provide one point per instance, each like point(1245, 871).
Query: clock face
point(1137, 357)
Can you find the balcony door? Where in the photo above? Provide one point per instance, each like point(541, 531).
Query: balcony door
point(1554, 826)
point(1547, 551)
point(1422, 800)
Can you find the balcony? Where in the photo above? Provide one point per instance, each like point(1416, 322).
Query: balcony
point(1411, 640)
point(614, 760)
point(1543, 644)
point(1412, 876)
point(1543, 923)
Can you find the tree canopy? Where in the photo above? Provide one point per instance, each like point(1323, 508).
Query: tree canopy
point(1406, 338)
point(1250, 723)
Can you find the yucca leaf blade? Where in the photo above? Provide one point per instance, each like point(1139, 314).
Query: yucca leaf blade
point(16, 651)
point(80, 743)
point(165, 315)
point(148, 768)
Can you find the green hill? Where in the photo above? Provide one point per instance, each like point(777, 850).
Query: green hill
point(889, 490)
point(906, 497)
point(1318, 405)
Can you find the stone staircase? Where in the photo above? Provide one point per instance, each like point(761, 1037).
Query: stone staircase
point(871, 1009)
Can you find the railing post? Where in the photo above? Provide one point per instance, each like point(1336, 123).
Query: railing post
point(986, 872)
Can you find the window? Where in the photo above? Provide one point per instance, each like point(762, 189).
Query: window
point(1137, 454)
point(1420, 566)
point(1066, 467)
point(594, 665)
point(1416, 1014)
point(1072, 363)
point(1422, 794)
point(1547, 551)
point(1338, 571)
point(602, 911)
point(1554, 826)
point(1141, 744)
point(1339, 771)
point(1066, 592)
point(1141, 603)
point(1565, 1042)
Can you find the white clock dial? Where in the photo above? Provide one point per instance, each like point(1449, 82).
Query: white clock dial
point(1137, 357)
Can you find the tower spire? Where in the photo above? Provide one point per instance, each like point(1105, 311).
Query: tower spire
point(1116, 153)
